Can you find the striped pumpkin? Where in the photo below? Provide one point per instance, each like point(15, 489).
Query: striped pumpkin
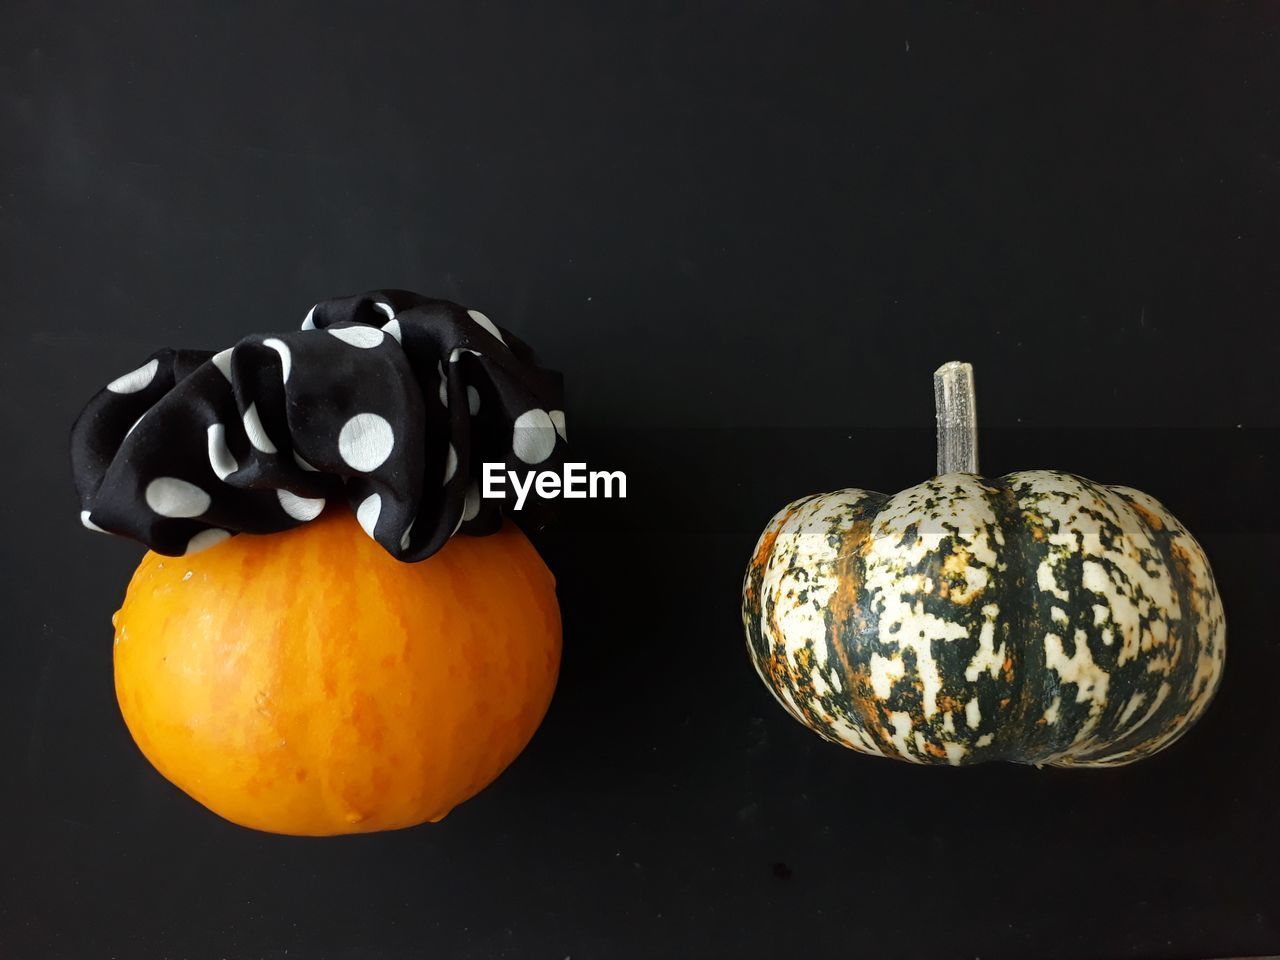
point(1038, 618)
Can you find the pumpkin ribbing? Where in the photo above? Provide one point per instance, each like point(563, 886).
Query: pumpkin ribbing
point(1038, 618)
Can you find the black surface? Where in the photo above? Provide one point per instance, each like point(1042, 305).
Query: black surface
point(747, 232)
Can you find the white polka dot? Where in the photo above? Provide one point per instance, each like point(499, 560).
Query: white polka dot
point(534, 436)
point(485, 322)
point(220, 458)
point(557, 419)
point(392, 329)
point(387, 309)
point(206, 539)
point(459, 351)
point(171, 497)
point(300, 508)
point(222, 360)
point(89, 524)
point(367, 512)
point(303, 464)
point(365, 442)
point(363, 337)
point(135, 380)
point(286, 358)
point(309, 321)
point(471, 506)
point(473, 400)
point(404, 537)
point(444, 386)
point(257, 433)
point(450, 463)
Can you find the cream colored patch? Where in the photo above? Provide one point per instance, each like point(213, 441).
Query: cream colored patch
point(900, 720)
point(1131, 708)
point(854, 736)
point(1124, 612)
point(884, 672)
point(1051, 712)
point(820, 686)
point(1090, 679)
point(1161, 695)
point(918, 631)
point(1046, 582)
point(987, 657)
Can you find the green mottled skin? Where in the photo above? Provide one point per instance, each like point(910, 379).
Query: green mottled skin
point(1038, 618)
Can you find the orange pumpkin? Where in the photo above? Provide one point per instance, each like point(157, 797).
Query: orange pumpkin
point(308, 683)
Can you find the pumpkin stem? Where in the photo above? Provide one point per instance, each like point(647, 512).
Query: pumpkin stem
point(957, 409)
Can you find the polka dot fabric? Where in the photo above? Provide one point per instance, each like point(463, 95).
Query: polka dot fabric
point(389, 402)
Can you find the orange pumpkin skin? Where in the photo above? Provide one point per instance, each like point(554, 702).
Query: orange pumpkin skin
point(308, 683)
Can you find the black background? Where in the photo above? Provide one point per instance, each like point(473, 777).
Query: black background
point(747, 231)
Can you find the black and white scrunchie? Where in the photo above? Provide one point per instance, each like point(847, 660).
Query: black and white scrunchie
point(390, 401)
